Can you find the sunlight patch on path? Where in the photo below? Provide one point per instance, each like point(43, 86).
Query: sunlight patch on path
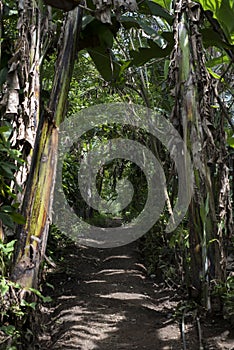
point(85, 328)
point(124, 296)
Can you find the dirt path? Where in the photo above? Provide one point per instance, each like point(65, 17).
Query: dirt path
point(103, 300)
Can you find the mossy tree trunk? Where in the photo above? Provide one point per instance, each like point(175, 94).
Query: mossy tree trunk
point(38, 197)
point(20, 95)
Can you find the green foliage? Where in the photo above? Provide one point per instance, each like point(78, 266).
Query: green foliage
point(156, 9)
point(211, 38)
point(225, 292)
point(107, 177)
point(9, 307)
point(230, 137)
point(223, 11)
point(15, 307)
point(228, 297)
point(57, 242)
point(162, 252)
point(9, 161)
point(42, 297)
point(164, 3)
point(14, 311)
point(98, 39)
point(159, 8)
point(12, 333)
point(6, 251)
point(222, 59)
point(188, 307)
point(8, 33)
point(145, 54)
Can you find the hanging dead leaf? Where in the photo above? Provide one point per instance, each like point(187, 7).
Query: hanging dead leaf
point(103, 7)
point(65, 5)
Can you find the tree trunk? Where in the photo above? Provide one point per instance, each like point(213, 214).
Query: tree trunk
point(194, 98)
point(1, 15)
point(38, 196)
point(23, 83)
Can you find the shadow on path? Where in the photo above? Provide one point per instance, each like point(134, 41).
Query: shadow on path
point(103, 300)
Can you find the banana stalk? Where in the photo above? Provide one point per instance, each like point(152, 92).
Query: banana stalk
point(38, 197)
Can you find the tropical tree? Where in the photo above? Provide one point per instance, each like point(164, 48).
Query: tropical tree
point(209, 222)
point(190, 45)
point(35, 129)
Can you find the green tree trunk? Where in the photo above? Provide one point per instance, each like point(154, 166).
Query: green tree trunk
point(38, 196)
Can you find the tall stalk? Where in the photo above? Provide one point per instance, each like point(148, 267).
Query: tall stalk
point(38, 196)
point(193, 101)
point(23, 83)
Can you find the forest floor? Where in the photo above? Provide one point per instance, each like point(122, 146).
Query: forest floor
point(103, 299)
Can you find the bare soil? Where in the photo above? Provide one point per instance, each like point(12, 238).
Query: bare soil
point(103, 299)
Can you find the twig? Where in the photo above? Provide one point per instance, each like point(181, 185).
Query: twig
point(183, 332)
point(50, 262)
point(5, 340)
point(86, 8)
point(199, 333)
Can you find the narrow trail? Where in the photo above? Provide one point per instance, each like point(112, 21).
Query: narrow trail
point(103, 300)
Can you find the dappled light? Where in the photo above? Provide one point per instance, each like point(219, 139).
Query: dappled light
point(112, 308)
point(124, 296)
point(95, 309)
point(116, 175)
